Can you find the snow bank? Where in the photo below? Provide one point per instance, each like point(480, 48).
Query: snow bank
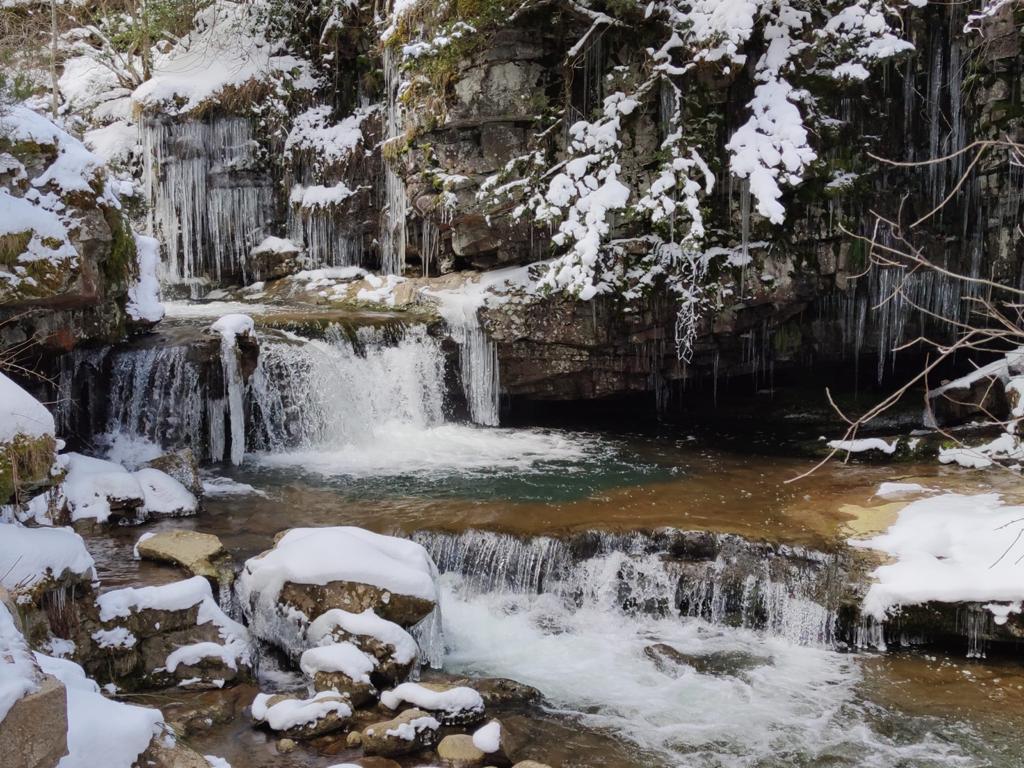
point(452, 701)
point(31, 555)
point(328, 142)
point(338, 657)
point(21, 413)
point(18, 673)
point(292, 713)
point(323, 555)
point(367, 624)
point(101, 732)
point(144, 294)
point(225, 49)
point(949, 548)
point(899, 490)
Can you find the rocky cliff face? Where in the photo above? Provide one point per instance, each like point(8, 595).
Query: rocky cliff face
point(430, 121)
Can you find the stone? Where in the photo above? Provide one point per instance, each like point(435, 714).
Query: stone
point(326, 723)
point(375, 762)
point(412, 731)
point(495, 691)
point(358, 692)
point(316, 599)
point(530, 764)
point(183, 467)
point(354, 739)
point(201, 554)
point(34, 732)
point(163, 753)
point(458, 751)
point(198, 712)
point(284, 746)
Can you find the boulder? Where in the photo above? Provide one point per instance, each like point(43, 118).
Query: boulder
point(458, 751)
point(201, 554)
point(182, 466)
point(412, 731)
point(170, 753)
point(34, 732)
point(299, 718)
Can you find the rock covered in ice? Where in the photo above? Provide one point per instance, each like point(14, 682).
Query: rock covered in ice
point(343, 668)
point(37, 559)
point(411, 731)
point(394, 649)
point(452, 704)
point(312, 570)
point(170, 634)
point(322, 713)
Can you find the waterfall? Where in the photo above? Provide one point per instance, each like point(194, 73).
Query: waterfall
point(787, 592)
point(209, 202)
point(478, 354)
point(393, 225)
point(234, 387)
point(340, 389)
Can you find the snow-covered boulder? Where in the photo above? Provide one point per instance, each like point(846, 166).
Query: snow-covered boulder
point(313, 570)
point(298, 718)
point(394, 649)
point(412, 731)
point(166, 635)
point(33, 705)
point(450, 704)
point(275, 257)
point(343, 668)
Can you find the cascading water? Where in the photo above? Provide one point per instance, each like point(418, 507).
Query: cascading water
point(210, 205)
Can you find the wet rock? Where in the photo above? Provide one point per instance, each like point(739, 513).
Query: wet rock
point(200, 711)
point(669, 659)
point(412, 731)
point(530, 764)
point(495, 691)
point(299, 718)
point(183, 467)
point(34, 732)
point(201, 554)
point(458, 751)
point(375, 762)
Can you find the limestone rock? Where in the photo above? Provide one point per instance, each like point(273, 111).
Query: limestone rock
point(201, 554)
point(411, 731)
point(458, 751)
point(34, 732)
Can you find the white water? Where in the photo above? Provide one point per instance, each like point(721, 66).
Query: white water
point(786, 705)
point(376, 406)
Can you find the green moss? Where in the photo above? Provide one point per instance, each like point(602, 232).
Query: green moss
point(120, 266)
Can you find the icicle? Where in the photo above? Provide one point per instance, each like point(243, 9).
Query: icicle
point(230, 327)
point(393, 226)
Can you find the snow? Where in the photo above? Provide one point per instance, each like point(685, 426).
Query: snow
point(488, 738)
point(92, 484)
point(998, 370)
point(49, 239)
point(193, 654)
point(292, 713)
point(1005, 447)
point(368, 624)
point(29, 556)
point(899, 490)
point(452, 701)
point(217, 762)
point(164, 495)
point(338, 657)
point(327, 142)
point(864, 444)
point(225, 486)
point(949, 548)
point(224, 50)
point(323, 555)
point(274, 244)
point(18, 673)
point(144, 293)
point(317, 196)
point(101, 732)
point(114, 143)
point(119, 637)
point(233, 325)
point(408, 730)
point(22, 414)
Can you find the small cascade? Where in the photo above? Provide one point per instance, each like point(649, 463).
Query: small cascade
point(393, 224)
point(340, 389)
point(233, 404)
point(786, 592)
point(210, 204)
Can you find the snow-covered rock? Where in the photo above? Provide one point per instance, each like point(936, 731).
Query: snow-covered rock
point(451, 704)
point(322, 713)
point(340, 667)
point(394, 649)
point(412, 731)
point(312, 570)
point(34, 560)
